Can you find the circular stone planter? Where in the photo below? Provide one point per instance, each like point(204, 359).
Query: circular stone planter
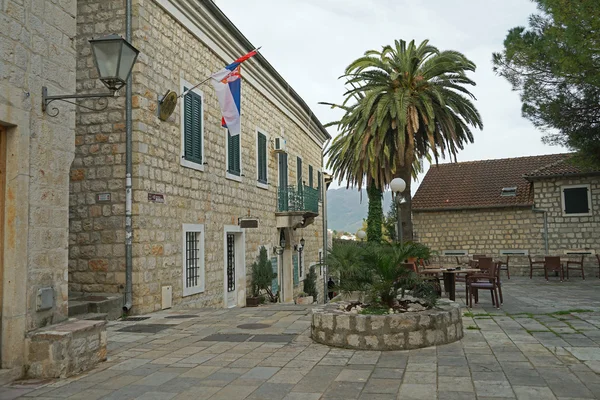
point(412, 330)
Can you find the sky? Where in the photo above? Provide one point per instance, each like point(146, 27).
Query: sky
point(310, 43)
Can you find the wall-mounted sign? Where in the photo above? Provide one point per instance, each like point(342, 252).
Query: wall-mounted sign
point(166, 105)
point(156, 197)
point(103, 197)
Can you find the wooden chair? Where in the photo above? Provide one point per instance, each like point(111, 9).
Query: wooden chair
point(485, 281)
point(553, 264)
point(534, 265)
point(485, 264)
point(504, 266)
point(433, 277)
point(575, 265)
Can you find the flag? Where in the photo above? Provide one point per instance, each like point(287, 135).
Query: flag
point(227, 83)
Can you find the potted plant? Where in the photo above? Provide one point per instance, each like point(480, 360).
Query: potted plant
point(303, 298)
point(262, 278)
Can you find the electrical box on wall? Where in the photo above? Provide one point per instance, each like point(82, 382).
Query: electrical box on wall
point(279, 145)
point(167, 297)
point(45, 299)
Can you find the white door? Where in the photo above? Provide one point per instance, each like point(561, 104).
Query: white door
point(230, 271)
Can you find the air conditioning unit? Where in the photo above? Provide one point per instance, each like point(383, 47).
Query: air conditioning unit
point(279, 145)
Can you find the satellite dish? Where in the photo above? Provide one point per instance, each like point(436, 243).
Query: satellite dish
point(166, 105)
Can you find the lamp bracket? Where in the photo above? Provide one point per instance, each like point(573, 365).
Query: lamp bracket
point(102, 101)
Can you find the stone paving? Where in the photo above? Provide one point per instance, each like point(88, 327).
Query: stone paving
point(542, 344)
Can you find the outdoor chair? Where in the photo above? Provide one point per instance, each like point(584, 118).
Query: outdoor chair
point(432, 277)
point(478, 256)
point(485, 264)
point(553, 264)
point(504, 266)
point(575, 265)
point(485, 281)
point(534, 265)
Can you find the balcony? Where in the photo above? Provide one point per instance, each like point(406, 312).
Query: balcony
point(296, 208)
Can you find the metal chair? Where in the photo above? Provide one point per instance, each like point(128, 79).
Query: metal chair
point(576, 265)
point(486, 281)
point(532, 266)
point(504, 266)
point(553, 264)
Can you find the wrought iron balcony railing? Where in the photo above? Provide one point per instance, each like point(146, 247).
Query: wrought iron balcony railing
point(290, 198)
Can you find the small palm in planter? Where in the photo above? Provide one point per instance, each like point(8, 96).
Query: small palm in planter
point(262, 278)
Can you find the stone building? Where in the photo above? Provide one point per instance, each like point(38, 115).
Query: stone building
point(540, 205)
point(37, 49)
point(192, 182)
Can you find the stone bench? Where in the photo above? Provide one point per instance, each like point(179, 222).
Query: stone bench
point(65, 349)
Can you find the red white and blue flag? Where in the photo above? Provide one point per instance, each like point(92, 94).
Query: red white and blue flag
point(227, 83)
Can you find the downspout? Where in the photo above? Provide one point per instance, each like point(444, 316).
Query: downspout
point(539, 210)
point(324, 207)
point(128, 172)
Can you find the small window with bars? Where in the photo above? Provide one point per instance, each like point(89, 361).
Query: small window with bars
point(193, 259)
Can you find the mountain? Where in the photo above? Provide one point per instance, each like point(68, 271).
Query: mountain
point(345, 211)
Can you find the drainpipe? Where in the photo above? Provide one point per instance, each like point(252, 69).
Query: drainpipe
point(324, 211)
point(128, 171)
point(539, 210)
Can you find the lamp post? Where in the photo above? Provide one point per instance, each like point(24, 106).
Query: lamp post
point(361, 234)
point(398, 185)
point(114, 58)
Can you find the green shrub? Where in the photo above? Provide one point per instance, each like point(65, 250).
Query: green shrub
point(262, 275)
point(376, 269)
point(310, 283)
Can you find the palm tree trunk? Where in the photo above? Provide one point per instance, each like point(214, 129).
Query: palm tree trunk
point(405, 208)
point(375, 215)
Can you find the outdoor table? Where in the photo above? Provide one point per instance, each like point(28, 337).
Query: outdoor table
point(450, 278)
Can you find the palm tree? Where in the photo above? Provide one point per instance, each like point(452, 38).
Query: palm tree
point(403, 102)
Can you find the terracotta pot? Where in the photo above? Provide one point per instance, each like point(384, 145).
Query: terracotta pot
point(304, 300)
point(252, 301)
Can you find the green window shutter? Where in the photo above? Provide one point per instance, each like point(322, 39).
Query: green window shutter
point(319, 184)
point(233, 154)
point(192, 130)
point(262, 158)
point(275, 282)
point(310, 176)
point(296, 271)
point(299, 171)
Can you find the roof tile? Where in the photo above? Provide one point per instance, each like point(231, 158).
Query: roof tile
point(475, 184)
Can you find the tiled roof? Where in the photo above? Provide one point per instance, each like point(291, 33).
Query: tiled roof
point(476, 184)
point(561, 167)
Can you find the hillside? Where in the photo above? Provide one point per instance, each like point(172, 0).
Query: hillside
point(345, 211)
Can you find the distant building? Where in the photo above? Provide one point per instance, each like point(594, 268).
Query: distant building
point(528, 205)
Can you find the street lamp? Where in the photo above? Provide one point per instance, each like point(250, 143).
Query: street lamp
point(300, 248)
point(361, 234)
point(279, 249)
point(398, 185)
point(114, 58)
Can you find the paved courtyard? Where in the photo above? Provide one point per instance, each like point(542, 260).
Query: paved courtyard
point(542, 344)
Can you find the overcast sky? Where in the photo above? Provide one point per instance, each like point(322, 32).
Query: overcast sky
point(310, 42)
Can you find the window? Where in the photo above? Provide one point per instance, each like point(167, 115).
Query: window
point(295, 269)
point(455, 253)
point(319, 185)
point(514, 252)
point(261, 158)
point(310, 176)
point(193, 259)
point(576, 200)
point(299, 172)
point(509, 192)
point(233, 154)
point(301, 264)
point(192, 129)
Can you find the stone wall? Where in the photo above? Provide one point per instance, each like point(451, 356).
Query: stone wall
point(37, 49)
point(97, 228)
point(171, 54)
point(387, 332)
point(488, 231)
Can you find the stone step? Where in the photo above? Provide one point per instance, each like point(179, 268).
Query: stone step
point(9, 375)
point(110, 304)
point(93, 316)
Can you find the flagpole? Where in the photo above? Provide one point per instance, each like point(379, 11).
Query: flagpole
point(207, 79)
